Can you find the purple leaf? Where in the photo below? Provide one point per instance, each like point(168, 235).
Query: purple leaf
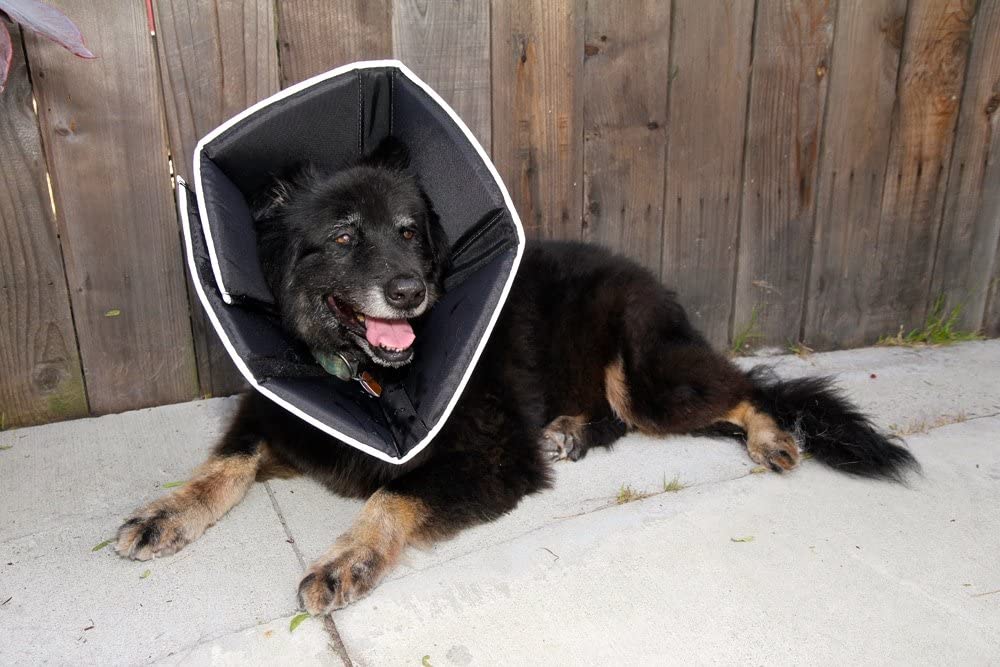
point(48, 22)
point(6, 55)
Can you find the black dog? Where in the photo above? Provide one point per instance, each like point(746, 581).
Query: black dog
point(589, 346)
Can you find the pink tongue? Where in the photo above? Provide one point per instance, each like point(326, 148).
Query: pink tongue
point(396, 334)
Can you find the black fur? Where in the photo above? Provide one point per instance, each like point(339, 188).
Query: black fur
point(342, 235)
point(574, 309)
point(584, 334)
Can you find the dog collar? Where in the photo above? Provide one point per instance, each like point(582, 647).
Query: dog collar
point(341, 368)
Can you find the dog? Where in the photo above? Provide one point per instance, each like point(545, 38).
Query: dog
point(588, 347)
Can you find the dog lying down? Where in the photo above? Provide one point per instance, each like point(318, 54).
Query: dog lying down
point(589, 346)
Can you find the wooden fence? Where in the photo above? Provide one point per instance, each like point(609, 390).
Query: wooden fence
point(822, 168)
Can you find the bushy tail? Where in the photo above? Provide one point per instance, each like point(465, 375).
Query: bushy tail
point(830, 427)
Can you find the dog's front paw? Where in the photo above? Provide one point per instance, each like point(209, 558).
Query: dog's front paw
point(338, 580)
point(564, 439)
point(161, 528)
point(775, 449)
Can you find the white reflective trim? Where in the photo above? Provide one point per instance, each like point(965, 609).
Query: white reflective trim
point(209, 241)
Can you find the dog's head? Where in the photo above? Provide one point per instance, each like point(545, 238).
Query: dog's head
point(352, 256)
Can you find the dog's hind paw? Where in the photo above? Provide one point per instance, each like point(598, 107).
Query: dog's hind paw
point(774, 448)
point(564, 438)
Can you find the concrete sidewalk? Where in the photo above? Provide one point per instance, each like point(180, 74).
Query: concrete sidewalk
point(837, 569)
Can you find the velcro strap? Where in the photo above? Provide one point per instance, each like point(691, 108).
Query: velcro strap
point(406, 426)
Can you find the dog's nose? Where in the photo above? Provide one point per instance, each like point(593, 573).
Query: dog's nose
point(405, 291)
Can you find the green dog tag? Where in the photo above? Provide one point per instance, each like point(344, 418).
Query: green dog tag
point(334, 364)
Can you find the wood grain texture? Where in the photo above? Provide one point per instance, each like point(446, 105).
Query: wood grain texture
point(105, 140)
point(40, 375)
point(537, 56)
point(970, 229)
point(788, 93)
point(625, 81)
point(855, 147)
point(317, 35)
point(447, 44)
point(931, 74)
point(710, 73)
point(216, 59)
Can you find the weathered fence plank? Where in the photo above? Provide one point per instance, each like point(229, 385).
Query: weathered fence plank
point(870, 183)
point(103, 132)
point(967, 246)
point(625, 81)
point(317, 35)
point(787, 99)
point(930, 81)
point(447, 44)
point(537, 54)
point(855, 147)
point(709, 77)
point(216, 59)
point(40, 375)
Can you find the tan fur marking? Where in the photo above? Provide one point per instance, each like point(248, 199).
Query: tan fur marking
point(747, 417)
point(167, 524)
point(388, 522)
point(616, 391)
point(767, 443)
point(364, 554)
point(271, 467)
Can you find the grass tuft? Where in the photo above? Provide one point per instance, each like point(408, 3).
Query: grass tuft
point(627, 494)
point(925, 425)
point(745, 337)
point(938, 329)
point(799, 349)
point(102, 545)
point(674, 485)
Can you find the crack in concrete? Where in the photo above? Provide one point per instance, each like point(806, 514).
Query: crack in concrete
point(924, 426)
point(336, 643)
point(284, 526)
point(611, 504)
point(187, 649)
point(559, 519)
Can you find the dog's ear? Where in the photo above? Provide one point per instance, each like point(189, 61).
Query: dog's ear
point(271, 200)
point(390, 153)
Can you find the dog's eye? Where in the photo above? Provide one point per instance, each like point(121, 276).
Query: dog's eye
point(343, 239)
point(408, 234)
